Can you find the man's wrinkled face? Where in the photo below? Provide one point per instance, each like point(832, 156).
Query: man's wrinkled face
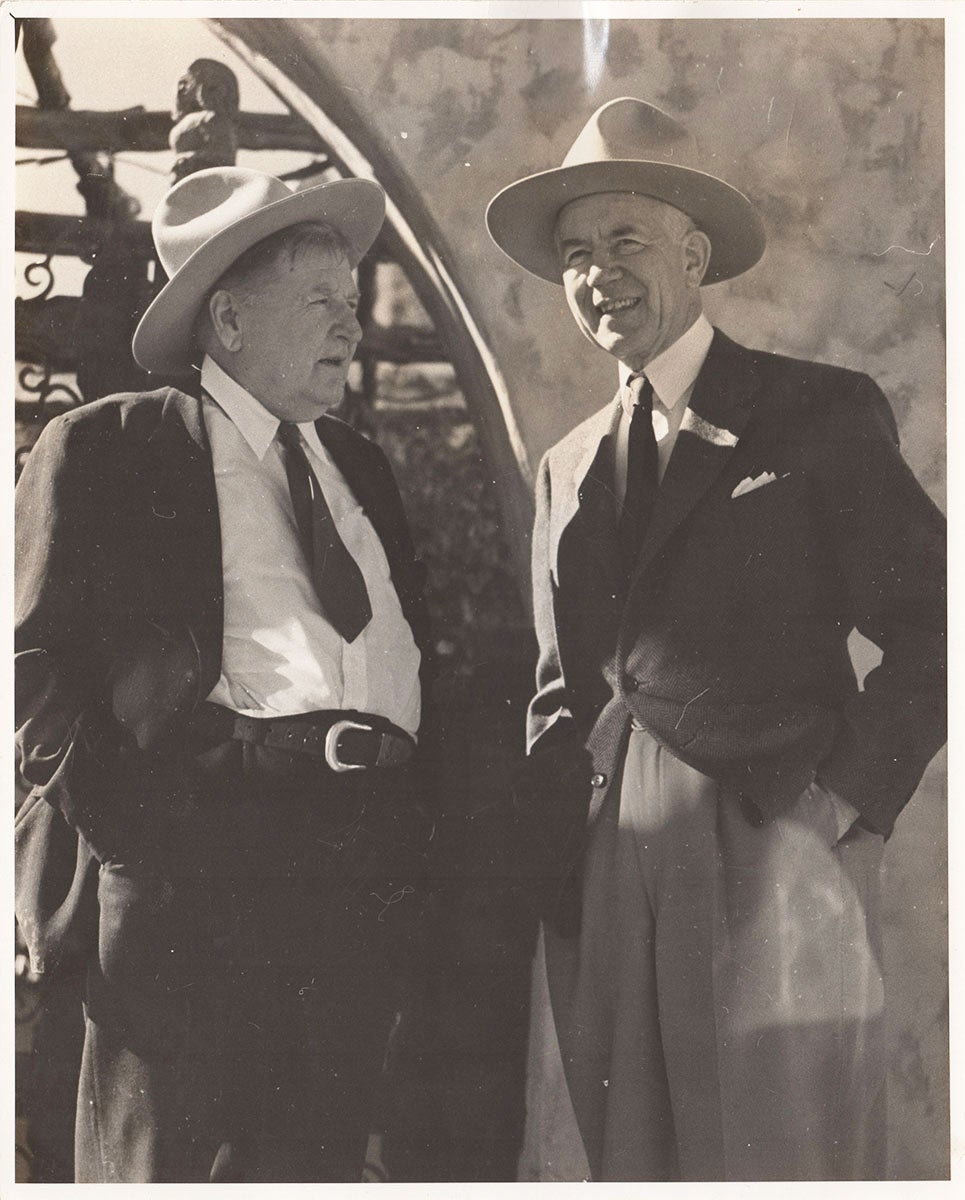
point(632, 268)
point(298, 334)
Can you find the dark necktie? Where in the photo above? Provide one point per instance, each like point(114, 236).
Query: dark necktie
point(642, 477)
point(335, 573)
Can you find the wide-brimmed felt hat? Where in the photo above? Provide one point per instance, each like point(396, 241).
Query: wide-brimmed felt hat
point(208, 220)
point(627, 145)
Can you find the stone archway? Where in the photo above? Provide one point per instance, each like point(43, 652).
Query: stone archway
point(286, 59)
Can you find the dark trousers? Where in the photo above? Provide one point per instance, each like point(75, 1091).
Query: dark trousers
point(249, 970)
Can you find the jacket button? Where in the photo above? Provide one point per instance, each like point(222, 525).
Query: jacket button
point(632, 684)
point(598, 780)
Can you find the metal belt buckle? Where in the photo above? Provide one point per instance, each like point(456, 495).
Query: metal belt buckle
point(331, 745)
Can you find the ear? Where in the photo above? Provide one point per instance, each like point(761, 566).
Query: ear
point(225, 316)
point(696, 246)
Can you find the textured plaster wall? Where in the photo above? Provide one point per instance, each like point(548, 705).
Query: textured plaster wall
point(835, 129)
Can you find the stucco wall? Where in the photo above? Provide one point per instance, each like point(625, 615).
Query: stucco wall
point(835, 129)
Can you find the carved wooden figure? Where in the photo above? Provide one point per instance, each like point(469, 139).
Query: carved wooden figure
point(205, 114)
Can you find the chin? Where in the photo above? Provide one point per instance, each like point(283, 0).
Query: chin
point(320, 407)
point(614, 345)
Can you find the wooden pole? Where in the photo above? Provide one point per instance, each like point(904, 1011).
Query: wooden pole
point(138, 129)
point(44, 329)
point(79, 237)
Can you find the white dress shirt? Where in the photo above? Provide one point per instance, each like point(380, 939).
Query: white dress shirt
point(673, 374)
point(280, 655)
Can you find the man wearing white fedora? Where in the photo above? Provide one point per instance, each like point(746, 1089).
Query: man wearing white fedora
point(708, 790)
point(220, 632)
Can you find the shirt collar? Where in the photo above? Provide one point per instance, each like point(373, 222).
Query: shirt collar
point(674, 370)
point(249, 416)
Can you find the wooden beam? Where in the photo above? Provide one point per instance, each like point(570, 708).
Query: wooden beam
point(44, 332)
point(138, 129)
point(401, 344)
point(79, 237)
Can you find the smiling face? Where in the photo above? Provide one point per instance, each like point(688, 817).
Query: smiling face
point(287, 330)
point(632, 268)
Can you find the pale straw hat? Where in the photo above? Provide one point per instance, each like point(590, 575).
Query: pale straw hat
point(627, 146)
point(211, 218)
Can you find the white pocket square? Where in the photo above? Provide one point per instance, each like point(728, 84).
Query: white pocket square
point(749, 484)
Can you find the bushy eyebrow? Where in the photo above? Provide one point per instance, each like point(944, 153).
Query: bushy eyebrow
point(628, 231)
point(618, 232)
point(325, 290)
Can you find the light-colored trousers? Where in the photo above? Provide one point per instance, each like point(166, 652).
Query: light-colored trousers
point(720, 1016)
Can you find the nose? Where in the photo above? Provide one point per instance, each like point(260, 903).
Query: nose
point(354, 328)
point(347, 323)
point(602, 268)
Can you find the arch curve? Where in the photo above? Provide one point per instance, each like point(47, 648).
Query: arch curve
point(288, 62)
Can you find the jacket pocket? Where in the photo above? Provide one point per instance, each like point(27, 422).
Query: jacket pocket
point(55, 894)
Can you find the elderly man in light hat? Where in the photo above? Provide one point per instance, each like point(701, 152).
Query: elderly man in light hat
point(219, 630)
point(708, 790)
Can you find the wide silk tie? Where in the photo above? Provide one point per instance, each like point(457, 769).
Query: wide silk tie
point(642, 478)
point(335, 573)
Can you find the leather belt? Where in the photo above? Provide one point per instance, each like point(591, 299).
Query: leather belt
point(345, 740)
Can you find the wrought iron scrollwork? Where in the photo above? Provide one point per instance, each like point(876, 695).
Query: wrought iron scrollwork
point(37, 382)
point(43, 322)
point(45, 268)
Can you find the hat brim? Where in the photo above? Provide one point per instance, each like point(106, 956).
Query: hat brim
point(522, 217)
point(163, 342)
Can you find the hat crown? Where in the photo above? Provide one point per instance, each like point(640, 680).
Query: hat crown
point(205, 204)
point(629, 146)
point(208, 220)
point(628, 129)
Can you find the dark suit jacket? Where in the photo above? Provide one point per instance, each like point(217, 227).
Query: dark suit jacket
point(730, 643)
point(117, 535)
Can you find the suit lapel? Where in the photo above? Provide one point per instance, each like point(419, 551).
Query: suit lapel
point(719, 409)
point(180, 459)
point(365, 483)
point(186, 533)
point(593, 501)
point(339, 439)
